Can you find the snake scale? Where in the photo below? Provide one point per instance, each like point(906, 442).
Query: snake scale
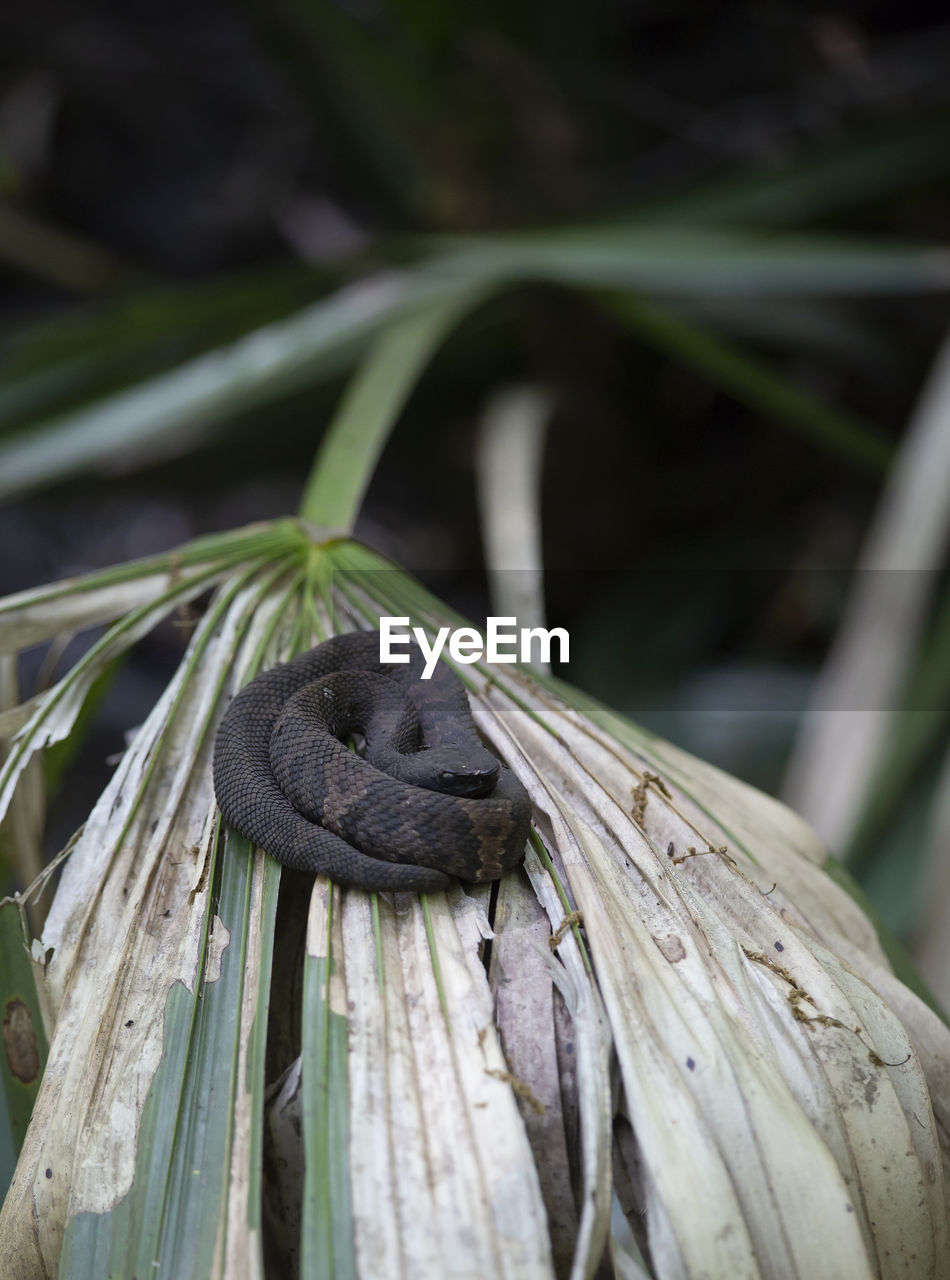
point(427, 802)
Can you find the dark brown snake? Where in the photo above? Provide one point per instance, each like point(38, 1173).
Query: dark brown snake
point(427, 802)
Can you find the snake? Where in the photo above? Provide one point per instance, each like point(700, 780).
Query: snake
point(425, 801)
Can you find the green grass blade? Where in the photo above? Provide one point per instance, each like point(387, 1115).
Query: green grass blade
point(7, 1149)
point(179, 1203)
point(753, 383)
point(54, 366)
point(696, 262)
point(286, 355)
point(326, 1247)
point(373, 401)
point(824, 182)
point(61, 257)
point(266, 363)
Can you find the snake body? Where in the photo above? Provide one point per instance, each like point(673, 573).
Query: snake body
point(428, 801)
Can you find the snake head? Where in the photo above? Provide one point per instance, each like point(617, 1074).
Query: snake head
point(460, 770)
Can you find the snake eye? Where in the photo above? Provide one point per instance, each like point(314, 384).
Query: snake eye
point(446, 776)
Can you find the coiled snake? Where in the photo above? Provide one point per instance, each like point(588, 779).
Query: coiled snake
point(427, 802)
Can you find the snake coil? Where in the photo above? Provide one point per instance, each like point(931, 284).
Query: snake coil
point(427, 802)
